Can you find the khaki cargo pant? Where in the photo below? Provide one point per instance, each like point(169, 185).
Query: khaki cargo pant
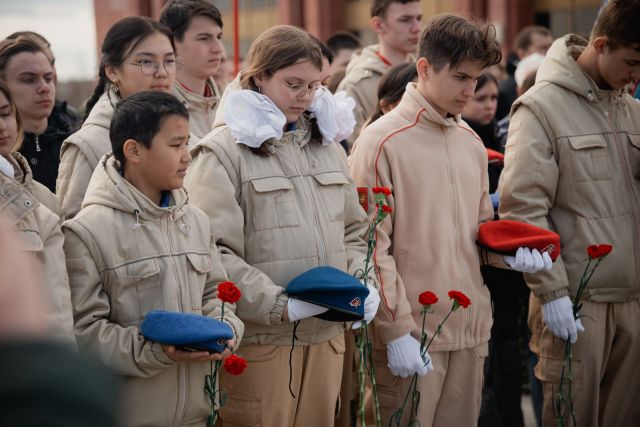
point(606, 385)
point(260, 396)
point(449, 396)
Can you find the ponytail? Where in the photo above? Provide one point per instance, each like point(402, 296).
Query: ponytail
point(97, 93)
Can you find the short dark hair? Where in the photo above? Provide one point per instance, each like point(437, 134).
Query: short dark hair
point(326, 52)
point(177, 15)
point(618, 22)
point(379, 7)
point(485, 78)
point(523, 38)
point(450, 39)
point(393, 84)
point(12, 47)
point(140, 117)
point(342, 40)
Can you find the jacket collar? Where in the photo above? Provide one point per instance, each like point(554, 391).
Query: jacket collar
point(102, 112)
point(414, 106)
point(15, 199)
point(197, 100)
point(23, 172)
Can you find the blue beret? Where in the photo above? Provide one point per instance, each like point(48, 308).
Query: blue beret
point(188, 330)
point(329, 287)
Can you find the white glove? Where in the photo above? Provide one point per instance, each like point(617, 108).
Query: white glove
point(529, 261)
point(370, 307)
point(253, 118)
point(404, 357)
point(558, 316)
point(298, 309)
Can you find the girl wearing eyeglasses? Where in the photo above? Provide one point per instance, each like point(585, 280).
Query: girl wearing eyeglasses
point(138, 54)
point(278, 192)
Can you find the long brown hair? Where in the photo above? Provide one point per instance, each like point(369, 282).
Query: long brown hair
point(14, 109)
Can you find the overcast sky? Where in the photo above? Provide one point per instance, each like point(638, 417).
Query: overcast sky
point(69, 25)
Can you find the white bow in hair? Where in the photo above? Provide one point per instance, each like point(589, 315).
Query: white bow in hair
point(253, 118)
point(334, 114)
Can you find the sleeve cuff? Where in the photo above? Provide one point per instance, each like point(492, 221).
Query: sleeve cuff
point(391, 331)
point(159, 354)
point(275, 317)
point(545, 298)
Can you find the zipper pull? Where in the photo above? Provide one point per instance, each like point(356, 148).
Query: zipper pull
point(37, 144)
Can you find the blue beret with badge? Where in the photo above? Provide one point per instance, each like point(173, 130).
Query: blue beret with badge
point(334, 289)
point(187, 330)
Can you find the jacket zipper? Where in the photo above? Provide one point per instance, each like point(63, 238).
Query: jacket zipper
point(182, 370)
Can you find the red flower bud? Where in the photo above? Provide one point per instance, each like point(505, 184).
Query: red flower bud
point(462, 300)
point(599, 251)
point(228, 292)
point(235, 365)
point(387, 209)
point(384, 190)
point(427, 298)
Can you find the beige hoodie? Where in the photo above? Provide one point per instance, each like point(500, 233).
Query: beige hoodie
point(127, 256)
point(572, 165)
point(437, 171)
point(24, 176)
point(360, 82)
point(202, 110)
point(81, 152)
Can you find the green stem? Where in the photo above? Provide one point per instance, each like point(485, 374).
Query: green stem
point(439, 328)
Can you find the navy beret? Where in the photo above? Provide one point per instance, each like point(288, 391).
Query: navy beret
point(336, 290)
point(188, 330)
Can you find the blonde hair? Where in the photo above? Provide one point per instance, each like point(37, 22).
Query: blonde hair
point(14, 108)
point(277, 48)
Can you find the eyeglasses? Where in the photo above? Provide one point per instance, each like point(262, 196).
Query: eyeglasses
point(298, 91)
point(149, 67)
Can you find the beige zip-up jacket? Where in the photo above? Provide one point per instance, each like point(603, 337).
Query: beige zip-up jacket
point(81, 152)
point(127, 256)
point(202, 110)
point(572, 165)
point(276, 217)
point(24, 176)
point(437, 171)
point(363, 74)
point(41, 236)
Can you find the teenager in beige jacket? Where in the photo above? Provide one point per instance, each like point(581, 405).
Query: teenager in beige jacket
point(397, 24)
point(137, 246)
point(282, 203)
point(137, 55)
point(197, 30)
point(436, 167)
point(24, 202)
point(572, 164)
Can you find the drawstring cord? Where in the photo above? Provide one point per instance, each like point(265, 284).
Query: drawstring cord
point(293, 343)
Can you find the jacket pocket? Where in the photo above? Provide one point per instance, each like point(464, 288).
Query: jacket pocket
point(634, 155)
point(332, 191)
point(589, 158)
point(273, 205)
point(199, 267)
point(136, 291)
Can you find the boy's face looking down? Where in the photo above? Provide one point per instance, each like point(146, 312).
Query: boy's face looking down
point(162, 166)
point(617, 66)
point(200, 50)
point(449, 89)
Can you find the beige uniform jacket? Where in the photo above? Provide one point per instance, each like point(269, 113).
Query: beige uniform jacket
point(127, 256)
point(81, 152)
point(276, 217)
point(202, 110)
point(361, 83)
point(437, 171)
point(24, 176)
point(572, 165)
point(40, 230)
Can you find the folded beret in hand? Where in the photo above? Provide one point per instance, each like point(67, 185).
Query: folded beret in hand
point(188, 330)
point(495, 157)
point(505, 237)
point(341, 293)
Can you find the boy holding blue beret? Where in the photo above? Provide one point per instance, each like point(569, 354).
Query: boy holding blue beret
point(138, 246)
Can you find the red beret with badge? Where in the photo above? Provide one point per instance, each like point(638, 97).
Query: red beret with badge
point(505, 237)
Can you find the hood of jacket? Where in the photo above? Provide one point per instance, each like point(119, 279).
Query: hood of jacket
point(367, 59)
point(102, 111)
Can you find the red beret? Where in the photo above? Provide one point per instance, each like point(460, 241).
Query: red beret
point(505, 237)
point(495, 157)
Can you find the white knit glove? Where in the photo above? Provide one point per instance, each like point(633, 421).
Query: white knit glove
point(371, 304)
point(404, 357)
point(298, 309)
point(558, 316)
point(529, 261)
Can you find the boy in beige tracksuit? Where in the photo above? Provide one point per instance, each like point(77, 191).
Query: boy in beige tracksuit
point(436, 167)
point(197, 31)
point(137, 246)
point(572, 164)
point(397, 25)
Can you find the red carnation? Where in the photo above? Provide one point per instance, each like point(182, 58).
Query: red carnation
point(384, 190)
point(459, 298)
point(228, 292)
point(427, 298)
point(599, 251)
point(387, 209)
point(235, 365)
